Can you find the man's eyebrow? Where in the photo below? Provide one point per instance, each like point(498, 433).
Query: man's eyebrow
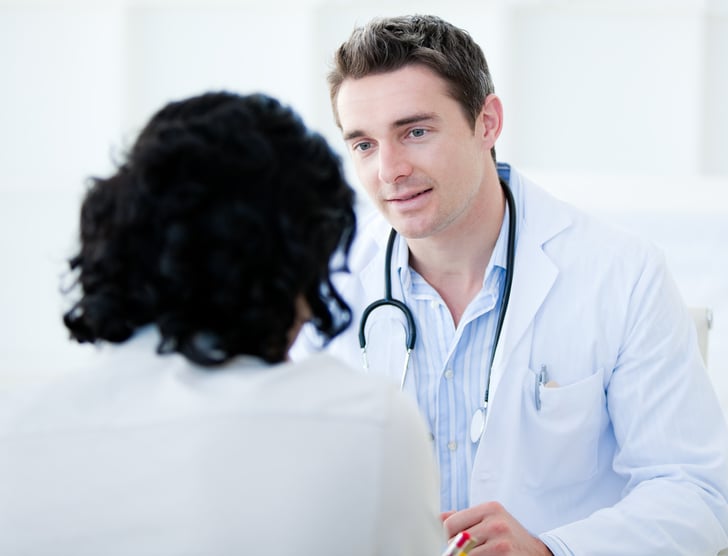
point(353, 135)
point(413, 119)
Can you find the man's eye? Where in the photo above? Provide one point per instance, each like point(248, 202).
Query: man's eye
point(418, 132)
point(363, 146)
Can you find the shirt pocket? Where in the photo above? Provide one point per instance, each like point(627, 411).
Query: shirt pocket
point(561, 438)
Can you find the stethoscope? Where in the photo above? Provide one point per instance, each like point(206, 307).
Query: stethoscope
point(477, 423)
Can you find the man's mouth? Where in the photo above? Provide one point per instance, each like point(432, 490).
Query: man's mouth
point(409, 196)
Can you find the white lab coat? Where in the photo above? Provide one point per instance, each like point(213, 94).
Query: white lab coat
point(148, 455)
point(628, 453)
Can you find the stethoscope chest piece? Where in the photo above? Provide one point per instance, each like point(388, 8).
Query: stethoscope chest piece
point(477, 424)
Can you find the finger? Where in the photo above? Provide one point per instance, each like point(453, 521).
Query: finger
point(460, 521)
point(465, 519)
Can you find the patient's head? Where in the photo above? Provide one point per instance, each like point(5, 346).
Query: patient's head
point(218, 227)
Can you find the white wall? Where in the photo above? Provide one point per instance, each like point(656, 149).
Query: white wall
point(617, 105)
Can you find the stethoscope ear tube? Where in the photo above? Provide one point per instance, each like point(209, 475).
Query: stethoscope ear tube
point(411, 329)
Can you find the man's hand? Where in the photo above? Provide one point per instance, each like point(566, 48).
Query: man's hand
point(497, 532)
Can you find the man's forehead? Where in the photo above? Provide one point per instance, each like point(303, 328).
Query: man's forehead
point(390, 100)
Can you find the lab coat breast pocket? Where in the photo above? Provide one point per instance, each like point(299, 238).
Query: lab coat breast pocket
point(563, 435)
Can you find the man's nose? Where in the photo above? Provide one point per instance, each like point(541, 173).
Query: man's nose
point(393, 163)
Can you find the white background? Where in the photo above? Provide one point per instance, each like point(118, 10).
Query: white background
point(619, 106)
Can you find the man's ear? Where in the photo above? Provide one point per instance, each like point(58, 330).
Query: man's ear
point(491, 119)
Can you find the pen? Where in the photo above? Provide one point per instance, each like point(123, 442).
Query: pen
point(460, 545)
point(541, 379)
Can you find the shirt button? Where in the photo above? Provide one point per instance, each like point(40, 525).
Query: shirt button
point(449, 374)
point(434, 304)
point(452, 445)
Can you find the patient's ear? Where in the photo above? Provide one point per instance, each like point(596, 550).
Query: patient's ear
point(303, 315)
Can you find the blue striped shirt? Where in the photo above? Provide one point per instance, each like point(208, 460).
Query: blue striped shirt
point(451, 365)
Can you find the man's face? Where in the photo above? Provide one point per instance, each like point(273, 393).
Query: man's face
point(413, 149)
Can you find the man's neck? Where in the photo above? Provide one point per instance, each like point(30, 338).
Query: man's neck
point(454, 261)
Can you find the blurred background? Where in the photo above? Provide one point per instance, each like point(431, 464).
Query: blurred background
point(618, 106)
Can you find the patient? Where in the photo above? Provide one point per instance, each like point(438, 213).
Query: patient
point(199, 260)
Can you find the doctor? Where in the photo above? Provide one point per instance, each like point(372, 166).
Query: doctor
point(585, 422)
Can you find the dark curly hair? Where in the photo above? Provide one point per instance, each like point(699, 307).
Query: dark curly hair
point(225, 211)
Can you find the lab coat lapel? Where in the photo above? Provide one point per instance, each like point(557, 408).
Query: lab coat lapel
point(534, 272)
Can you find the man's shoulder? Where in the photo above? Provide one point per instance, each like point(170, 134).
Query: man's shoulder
point(541, 206)
point(574, 237)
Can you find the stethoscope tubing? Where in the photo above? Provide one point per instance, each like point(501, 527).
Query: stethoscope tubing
point(510, 263)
